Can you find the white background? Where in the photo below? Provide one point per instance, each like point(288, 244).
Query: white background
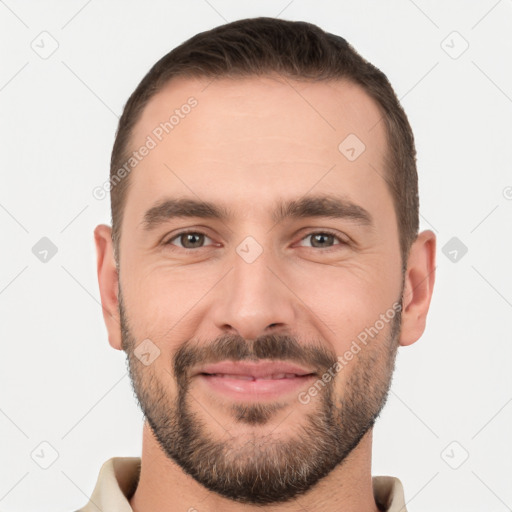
point(60, 380)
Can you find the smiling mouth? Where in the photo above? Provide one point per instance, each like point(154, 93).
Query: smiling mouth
point(248, 387)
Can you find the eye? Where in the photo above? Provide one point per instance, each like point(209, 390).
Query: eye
point(189, 239)
point(323, 239)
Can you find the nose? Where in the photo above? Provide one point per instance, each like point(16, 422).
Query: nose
point(254, 299)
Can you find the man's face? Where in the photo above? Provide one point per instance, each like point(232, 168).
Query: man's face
point(252, 287)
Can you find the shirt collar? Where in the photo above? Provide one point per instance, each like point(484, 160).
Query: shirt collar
point(119, 476)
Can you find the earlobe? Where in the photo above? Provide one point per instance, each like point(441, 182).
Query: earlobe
point(108, 280)
point(418, 287)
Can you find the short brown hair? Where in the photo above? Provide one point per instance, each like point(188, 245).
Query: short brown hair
point(292, 49)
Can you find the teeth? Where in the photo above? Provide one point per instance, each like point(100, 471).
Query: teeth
point(249, 377)
point(239, 377)
point(280, 376)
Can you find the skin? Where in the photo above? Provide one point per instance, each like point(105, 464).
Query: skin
point(247, 144)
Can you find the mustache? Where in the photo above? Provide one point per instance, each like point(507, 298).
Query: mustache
point(235, 348)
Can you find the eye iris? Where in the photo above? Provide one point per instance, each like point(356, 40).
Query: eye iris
point(322, 237)
point(189, 237)
point(197, 239)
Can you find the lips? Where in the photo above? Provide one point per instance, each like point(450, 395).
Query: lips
point(255, 371)
point(250, 377)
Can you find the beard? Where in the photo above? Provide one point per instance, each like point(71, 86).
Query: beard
point(255, 468)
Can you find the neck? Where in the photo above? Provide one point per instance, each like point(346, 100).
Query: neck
point(163, 486)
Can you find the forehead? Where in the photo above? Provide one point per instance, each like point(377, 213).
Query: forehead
point(260, 136)
point(265, 106)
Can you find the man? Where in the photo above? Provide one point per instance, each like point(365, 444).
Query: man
point(263, 266)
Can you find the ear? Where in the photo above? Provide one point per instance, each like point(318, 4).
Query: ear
point(108, 280)
point(418, 287)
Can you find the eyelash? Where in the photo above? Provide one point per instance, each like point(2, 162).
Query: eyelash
point(311, 233)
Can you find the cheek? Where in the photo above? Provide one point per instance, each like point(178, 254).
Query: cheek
point(166, 303)
point(162, 301)
point(162, 304)
point(346, 298)
point(352, 309)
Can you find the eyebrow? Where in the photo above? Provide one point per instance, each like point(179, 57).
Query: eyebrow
point(321, 206)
